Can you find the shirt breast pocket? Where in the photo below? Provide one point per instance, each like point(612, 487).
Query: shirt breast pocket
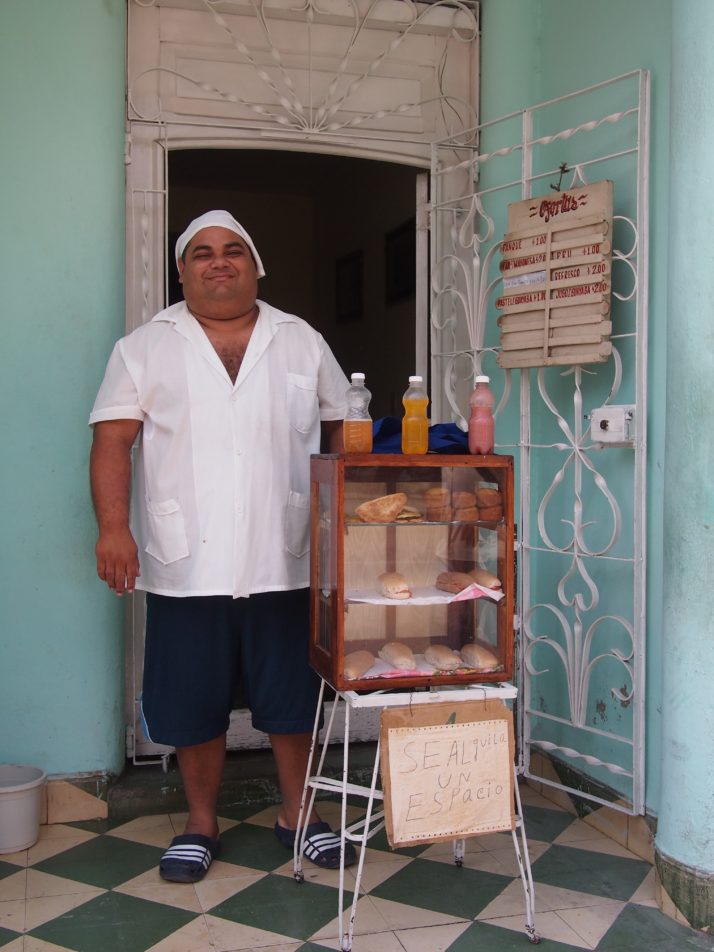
point(167, 540)
point(303, 408)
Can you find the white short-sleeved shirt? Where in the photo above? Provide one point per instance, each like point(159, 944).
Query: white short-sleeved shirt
point(221, 503)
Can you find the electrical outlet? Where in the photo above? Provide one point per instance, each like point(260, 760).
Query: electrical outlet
point(613, 424)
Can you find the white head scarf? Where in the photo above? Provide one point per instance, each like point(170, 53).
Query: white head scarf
point(218, 219)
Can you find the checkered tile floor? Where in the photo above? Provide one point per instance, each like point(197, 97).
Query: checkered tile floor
point(94, 887)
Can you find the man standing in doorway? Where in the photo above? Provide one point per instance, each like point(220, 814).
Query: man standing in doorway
point(229, 397)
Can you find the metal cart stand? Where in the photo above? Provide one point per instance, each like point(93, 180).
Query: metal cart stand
point(372, 822)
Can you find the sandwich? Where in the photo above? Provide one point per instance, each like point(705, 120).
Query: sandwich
point(476, 656)
point(394, 585)
point(484, 579)
point(356, 663)
point(442, 657)
point(453, 582)
point(398, 655)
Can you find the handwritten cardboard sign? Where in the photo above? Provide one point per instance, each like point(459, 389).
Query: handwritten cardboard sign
point(447, 771)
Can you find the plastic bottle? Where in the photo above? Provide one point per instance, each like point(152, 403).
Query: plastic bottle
point(357, 425)
point(415, 425)
point(481, 428)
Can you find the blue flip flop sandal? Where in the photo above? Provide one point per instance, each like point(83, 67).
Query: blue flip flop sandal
point(322, 846)
point(188, 858)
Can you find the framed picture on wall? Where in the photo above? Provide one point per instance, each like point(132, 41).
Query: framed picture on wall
point(349, 273)
point(400, 262)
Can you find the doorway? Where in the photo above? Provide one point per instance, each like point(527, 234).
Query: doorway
point(337, 237)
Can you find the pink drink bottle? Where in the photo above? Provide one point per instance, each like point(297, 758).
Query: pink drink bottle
point(481, 427)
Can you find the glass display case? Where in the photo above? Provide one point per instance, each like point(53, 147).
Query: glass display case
point(412, 570)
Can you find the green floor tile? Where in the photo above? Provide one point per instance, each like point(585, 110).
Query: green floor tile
point(482, 937)
point(7, 869)
point(448, 889)
point(6, 936)
point(253, 846)
point(614, 877)
point(543, 824)
point(640, 927)
point(281, 905)
point(104, 861)
point(114, 922)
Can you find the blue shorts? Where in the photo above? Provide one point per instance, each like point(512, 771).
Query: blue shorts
point(198, 649)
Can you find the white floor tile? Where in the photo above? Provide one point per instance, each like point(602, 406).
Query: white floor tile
point(398, 915)
point(193, 937)
point(592, 922)
point(548, 925)
point(431, 938)
point(234, 937)
point(216, 889)
point(368, 919)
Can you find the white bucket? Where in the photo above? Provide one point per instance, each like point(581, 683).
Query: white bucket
point(20, 805)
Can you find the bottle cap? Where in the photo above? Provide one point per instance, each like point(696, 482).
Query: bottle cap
point(415, 379)
point(483, 379)
point(358, 377)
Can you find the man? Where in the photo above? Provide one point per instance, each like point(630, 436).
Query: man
point(228, 396)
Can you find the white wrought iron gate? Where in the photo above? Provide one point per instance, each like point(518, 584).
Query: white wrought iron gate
point(581, 524)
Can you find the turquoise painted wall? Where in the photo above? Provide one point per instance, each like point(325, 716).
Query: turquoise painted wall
point(685, 831)
point(62, 261)
point(535, 50)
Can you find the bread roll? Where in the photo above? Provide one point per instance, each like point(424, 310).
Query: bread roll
point(443, 514)
point(398, 655)
point(356, 663)
point(469, 514)
point(463, 500)
point(436, 497)
point(484, 578)
point(492, 514)
point(488, 497)
point(394, 585)
point(442, 657)
point(383, 508)
point(453, 582)
point(476, 656)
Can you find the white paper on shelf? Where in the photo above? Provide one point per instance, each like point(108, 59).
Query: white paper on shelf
point(380, 669)
point(429, 595)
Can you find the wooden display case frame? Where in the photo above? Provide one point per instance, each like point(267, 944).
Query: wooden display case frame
point(330, 470)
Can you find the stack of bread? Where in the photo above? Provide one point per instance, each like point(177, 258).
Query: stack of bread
point(437, 501)
point(483, 504)
point(490, 505)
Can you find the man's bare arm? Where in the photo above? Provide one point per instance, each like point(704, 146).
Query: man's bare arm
point(110, 477)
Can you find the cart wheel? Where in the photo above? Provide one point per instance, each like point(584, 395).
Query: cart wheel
point(299, 877)
point(533, 938)
point(459, 862)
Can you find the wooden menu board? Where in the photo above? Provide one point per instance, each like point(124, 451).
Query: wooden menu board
point(447, 771)
point(556, 262)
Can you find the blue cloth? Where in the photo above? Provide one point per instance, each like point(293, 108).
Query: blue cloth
point(443, 437)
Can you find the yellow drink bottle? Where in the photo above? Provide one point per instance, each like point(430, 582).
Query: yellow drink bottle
point(415, 425)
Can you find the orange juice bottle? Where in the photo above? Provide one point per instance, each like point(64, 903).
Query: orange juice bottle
point(415, 425)
point(357, 425)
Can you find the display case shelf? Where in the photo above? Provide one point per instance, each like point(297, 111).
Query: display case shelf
point(413, 556)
